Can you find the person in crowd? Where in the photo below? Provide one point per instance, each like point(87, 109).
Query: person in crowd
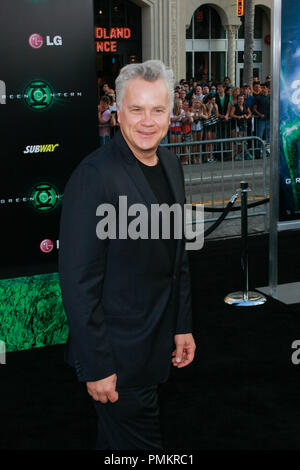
point(182, 94)
point(127, 300)
point(210, 125)
point(176, 123)
point(240, 113)
point(105, 88)
point(113, 109)
point(249, 98)
point(205, 90)
point(256, 88)
point(261, 108)
point(249, 101)
point(198, 93)
point(213, 89)
point(104, 118)
point(186, 130)
point(113, 104)
point(228, 85)
point(199, 113)
point(223, 101)
point(193, 90)
point(186, 88)
point(234, 93)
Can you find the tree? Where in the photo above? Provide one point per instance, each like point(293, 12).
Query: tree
point(249, 41)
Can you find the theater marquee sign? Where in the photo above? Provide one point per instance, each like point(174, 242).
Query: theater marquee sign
point(107, 38)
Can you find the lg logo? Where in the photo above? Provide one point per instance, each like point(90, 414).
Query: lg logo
point(36, 41)
point(46, 246)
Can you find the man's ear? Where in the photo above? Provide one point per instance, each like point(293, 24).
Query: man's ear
point(118, 114)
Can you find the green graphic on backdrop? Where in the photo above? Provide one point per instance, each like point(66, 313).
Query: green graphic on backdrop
point(38, 95)
point(290, 137)
point(31, 312)
point(44, 197)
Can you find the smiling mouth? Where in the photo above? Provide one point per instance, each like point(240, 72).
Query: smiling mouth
point(146, 134)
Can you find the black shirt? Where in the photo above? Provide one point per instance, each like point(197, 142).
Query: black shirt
point(263, 105)
point(160, 186)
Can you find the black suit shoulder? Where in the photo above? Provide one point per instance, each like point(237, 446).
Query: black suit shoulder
point(100, 157)
point(102, 163)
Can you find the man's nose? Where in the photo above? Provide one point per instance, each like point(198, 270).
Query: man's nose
point(147, 118)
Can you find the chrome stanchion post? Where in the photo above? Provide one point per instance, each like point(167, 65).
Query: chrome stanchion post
point(244, 234)
point(244, 298)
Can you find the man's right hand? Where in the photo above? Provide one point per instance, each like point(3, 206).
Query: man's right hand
point(104, 390)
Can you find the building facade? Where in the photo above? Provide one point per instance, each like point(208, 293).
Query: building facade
point(196, 38)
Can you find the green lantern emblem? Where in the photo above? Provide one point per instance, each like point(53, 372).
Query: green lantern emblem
point(38, 95)
point(44, 197)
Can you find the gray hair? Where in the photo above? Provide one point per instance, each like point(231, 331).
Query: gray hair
point(150, 71)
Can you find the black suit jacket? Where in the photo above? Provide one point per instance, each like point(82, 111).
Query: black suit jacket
point(124, 299)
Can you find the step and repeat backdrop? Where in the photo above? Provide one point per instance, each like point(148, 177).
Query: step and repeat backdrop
point(290, 113)
point(48, 116)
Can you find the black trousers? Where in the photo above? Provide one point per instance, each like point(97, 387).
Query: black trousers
point(131, 423)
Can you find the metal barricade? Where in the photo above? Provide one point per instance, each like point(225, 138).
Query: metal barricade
point(213, 170)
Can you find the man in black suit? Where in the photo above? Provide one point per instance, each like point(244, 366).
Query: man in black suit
point(127, 298)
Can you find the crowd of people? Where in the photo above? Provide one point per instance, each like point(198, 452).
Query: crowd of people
point(204, 112)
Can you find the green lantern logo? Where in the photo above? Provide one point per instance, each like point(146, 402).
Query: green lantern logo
point(38, 95)
point(44, 197)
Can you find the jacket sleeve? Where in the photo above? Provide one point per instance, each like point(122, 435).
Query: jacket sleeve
point(184, 316)
point(82, 258)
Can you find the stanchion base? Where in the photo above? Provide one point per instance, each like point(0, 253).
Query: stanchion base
point(239, 299)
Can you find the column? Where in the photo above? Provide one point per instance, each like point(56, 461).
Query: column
point(231, 49)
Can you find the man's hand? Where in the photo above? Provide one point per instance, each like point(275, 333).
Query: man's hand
point(104, 390)
point(185, 350)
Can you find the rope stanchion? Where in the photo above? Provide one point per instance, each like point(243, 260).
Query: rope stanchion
point(244, 298)
point(237, 208)
point(225, 211)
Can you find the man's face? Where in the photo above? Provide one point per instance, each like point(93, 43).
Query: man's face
point(198, 90)
point(145, 116)
point(205, 90)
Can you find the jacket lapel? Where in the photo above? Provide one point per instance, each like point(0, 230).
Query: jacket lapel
point(172, 177)
point(171, 174)
point(134, 172)
point(139, 180)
